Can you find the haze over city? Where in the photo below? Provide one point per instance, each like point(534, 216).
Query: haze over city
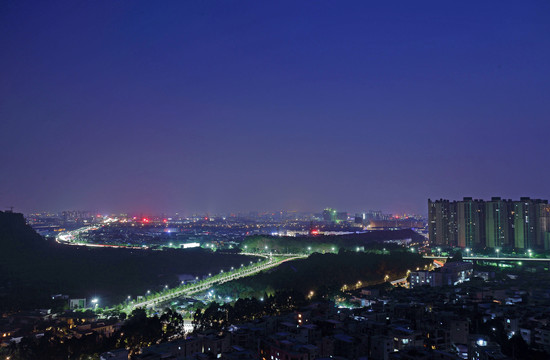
point(274, 180)
point(237, 106)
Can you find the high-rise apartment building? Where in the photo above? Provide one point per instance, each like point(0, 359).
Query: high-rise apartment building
point(542, 226)
point(525, 231)
point(497, 223)
point(471, 224)
point(442, 222)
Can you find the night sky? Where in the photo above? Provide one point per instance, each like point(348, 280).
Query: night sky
point(221, 106)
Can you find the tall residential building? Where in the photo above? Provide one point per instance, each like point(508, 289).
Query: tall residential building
point(497, 223)
point(442, 222)
point(525, 231)
point(542, 226)
point(471, 223)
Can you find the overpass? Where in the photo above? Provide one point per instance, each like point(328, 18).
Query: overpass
point(208, 283)
point(491, 258)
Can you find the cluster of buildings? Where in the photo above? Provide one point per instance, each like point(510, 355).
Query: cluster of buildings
point(452, 273)
point(476, 320)
point(497, 223)
point(468, 321)
point(319, 331)
point(66, 326)
point(373, 220)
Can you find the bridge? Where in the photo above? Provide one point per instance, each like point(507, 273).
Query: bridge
point(491, 258)
point(208, 283)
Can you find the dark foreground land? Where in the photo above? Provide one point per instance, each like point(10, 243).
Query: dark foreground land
point(327, 275)
point(32, 269)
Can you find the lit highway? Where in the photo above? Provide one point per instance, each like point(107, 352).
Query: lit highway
point(72, 238)
point(208, 283)
point(492, 258)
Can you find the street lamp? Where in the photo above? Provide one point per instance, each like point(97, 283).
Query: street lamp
point(467, 251)
point(498, 251)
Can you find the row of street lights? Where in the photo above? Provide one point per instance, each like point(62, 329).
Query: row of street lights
point(469, 252)
point(196, 278)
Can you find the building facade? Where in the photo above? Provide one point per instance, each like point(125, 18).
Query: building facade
point(496, 223)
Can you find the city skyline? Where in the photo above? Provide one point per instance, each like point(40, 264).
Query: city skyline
point(283, 180)
point(216, 107)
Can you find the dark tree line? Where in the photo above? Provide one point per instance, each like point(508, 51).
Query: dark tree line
point(325, 274)
point(138, 331)
point(218, 317)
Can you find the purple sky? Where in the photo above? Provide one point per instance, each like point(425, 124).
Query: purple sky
point(234, 106)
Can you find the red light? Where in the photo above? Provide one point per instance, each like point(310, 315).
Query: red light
point(314, 232)
point(145, 220)
point(165, 221)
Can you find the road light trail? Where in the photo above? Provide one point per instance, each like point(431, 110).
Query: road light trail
point(492, 258)
point(208, 283)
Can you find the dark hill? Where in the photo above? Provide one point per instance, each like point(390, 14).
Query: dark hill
point(32, 269)
point(16, 234)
